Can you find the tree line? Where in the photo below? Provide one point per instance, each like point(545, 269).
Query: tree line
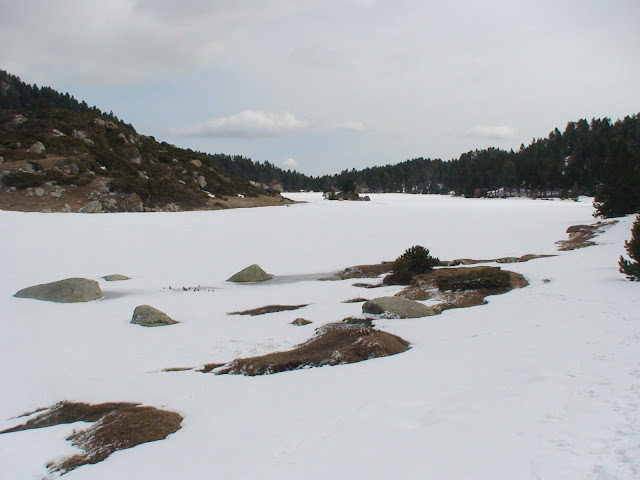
point(599, 158)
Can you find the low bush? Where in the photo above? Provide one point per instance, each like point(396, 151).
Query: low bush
point(22, 180)
point(415, 260)
point(491, 278)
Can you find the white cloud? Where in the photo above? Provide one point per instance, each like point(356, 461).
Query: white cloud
point(354, 126)
point(246, 124)
point(290, 163)
point(131, 41)
point(497, 131)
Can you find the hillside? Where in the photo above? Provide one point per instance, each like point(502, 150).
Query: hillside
point(59, 154)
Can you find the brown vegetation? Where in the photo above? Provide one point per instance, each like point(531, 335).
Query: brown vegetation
point(462, 286)
point(268, 309)
point(580, 236)
point(350, 341)
point(117, 426)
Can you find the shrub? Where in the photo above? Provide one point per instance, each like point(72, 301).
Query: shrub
point(490, 278)
point(22, 180)
point(629, 268)
point(415, 260)
point(402, 277)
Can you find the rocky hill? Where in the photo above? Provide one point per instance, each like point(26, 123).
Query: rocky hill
point(58, 154)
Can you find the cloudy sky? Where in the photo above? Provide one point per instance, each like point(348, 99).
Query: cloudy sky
point(324, 85)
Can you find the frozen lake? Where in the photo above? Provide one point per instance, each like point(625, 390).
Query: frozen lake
point(541, 383)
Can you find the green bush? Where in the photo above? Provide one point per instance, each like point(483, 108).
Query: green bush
point(629, 268)
point(22, 180)
point(491, 278)
point(415, 260)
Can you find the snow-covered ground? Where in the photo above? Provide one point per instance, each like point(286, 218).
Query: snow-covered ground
point(541, 383)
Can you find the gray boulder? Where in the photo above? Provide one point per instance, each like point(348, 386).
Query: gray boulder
point(92, 207)
point(38, 192)
point(397, 307)
point(79, 134)
point(37, 147)
point(70, 290)
point(250, 274)
point(147, 316)
point(115, 278)
point(196, 163)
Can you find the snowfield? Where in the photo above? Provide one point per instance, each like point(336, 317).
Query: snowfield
point(541, 383)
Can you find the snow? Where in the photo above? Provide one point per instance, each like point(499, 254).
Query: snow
point(541, 383)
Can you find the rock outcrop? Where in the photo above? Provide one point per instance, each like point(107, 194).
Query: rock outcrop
point(397, 307)
point(37, 147)
point(148, 316)
point(92, 207)
point(70, 290)
point(252, 273)
point(115, 277)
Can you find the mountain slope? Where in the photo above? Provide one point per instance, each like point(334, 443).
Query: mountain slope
point(57, 153)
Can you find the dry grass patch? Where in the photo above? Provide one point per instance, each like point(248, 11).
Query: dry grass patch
point(268, 309)
point(365, 271)
point(333, 344)
point(117, 426)
point(356, 300)
point(463, 286)
point(522, 259)
point(580, 236)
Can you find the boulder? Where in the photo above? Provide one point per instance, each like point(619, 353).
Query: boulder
point(100, 122)
point(133, 203)
point(300, 322)
point(202, 181)
point(92, 207)
point(70, 290)
point(56, 194)
point(147, 316)
point(196, 163)
point(252, 273)
point(39, 192)
point(115, 277)
point(397, 307)
point(79, 134)
point(18, 119)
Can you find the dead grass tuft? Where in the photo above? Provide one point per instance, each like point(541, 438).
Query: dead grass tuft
point(268, 309)
point(355, 300)
point(333, 344)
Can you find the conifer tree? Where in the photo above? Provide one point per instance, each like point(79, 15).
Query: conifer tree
point(632, 268)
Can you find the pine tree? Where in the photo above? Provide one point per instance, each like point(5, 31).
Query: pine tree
point(629, 268)
point(619, 193)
